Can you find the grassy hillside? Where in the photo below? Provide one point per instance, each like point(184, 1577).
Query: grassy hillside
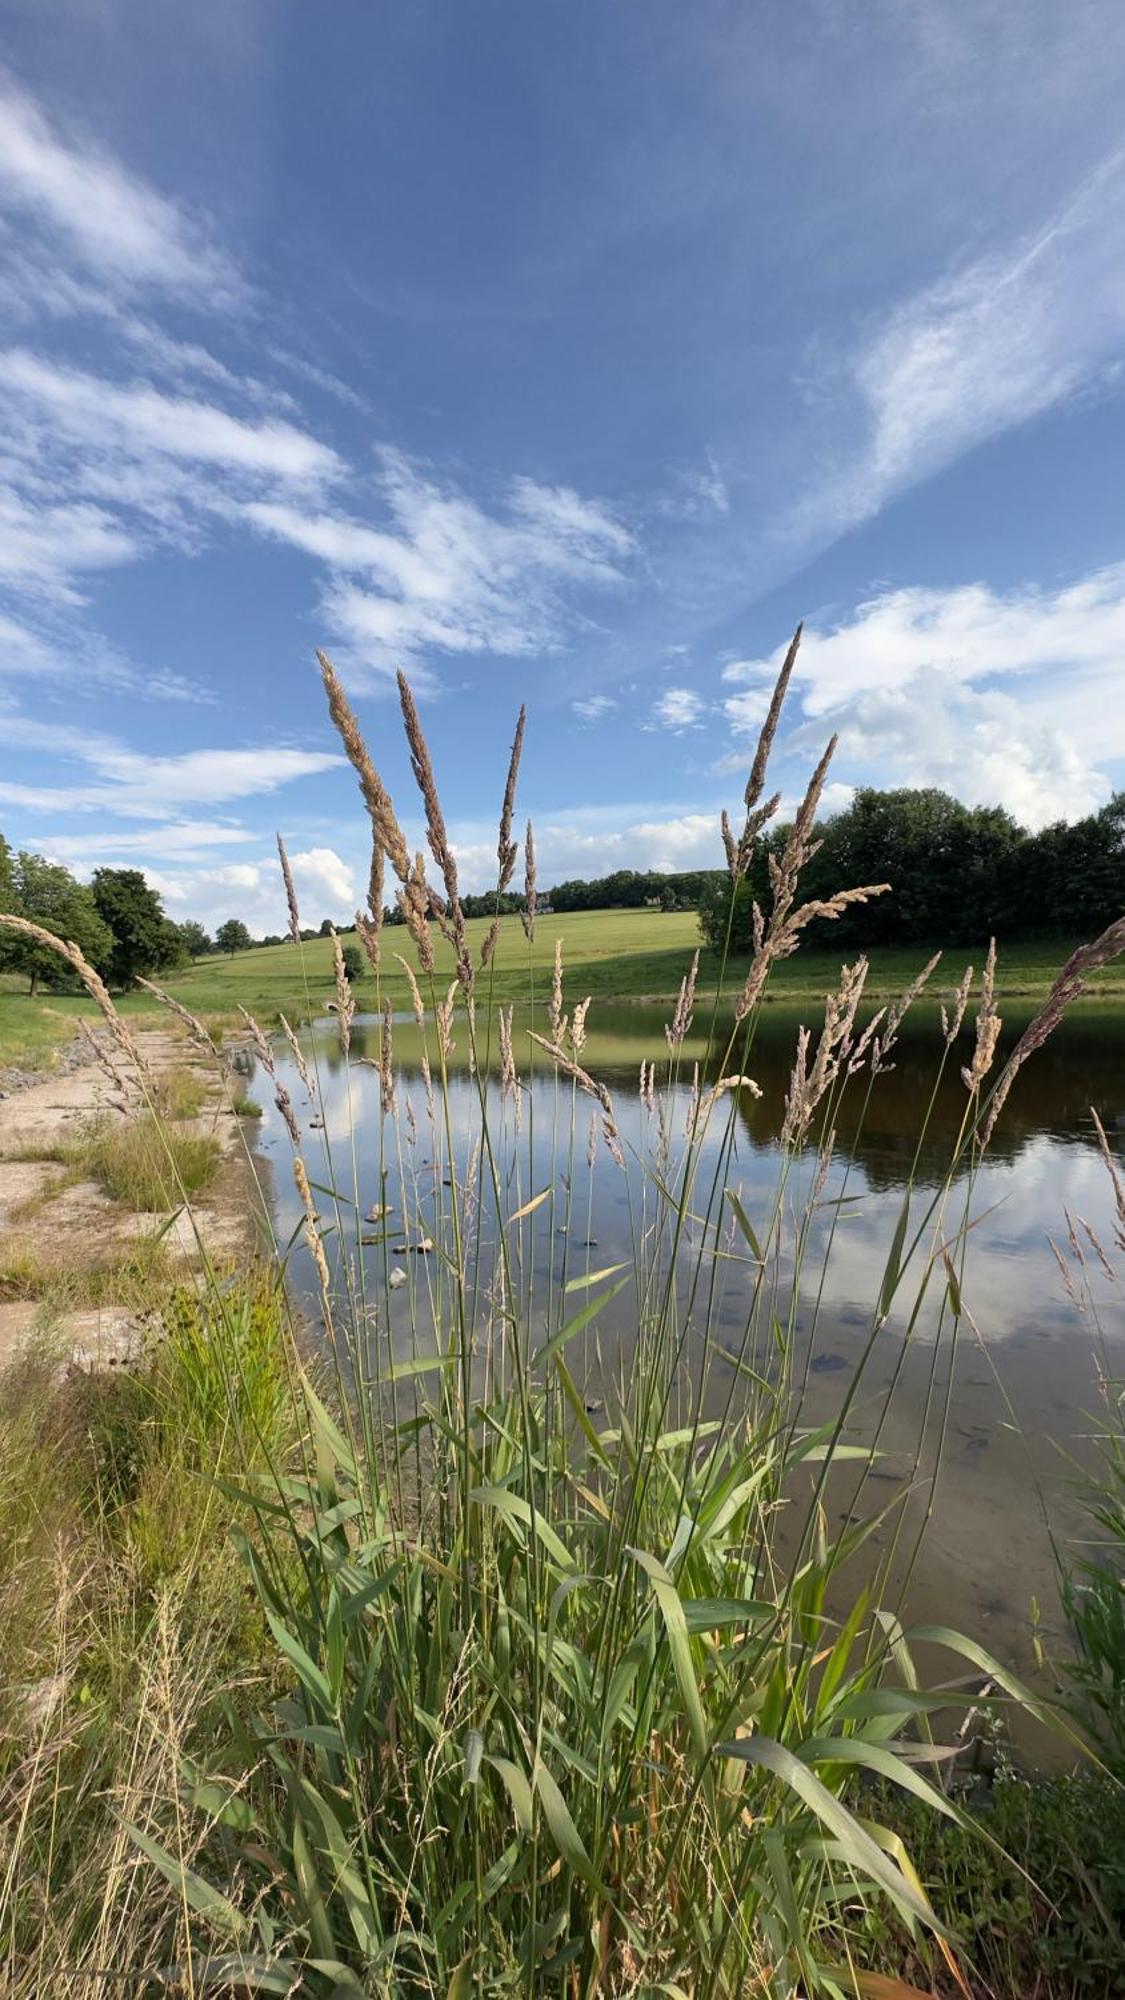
point(613, 954)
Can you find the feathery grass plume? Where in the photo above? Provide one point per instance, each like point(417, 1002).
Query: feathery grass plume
point(415, 992)
point(1069, 986)
point(345, 1000)
point(578, 1025)
point(1116, 1182)
point(290, 893)
point(951, 1023)
point(530, 896)
point(262, 1048)
point(191, 1022)
point(555, 1016)
point(298, 1056)
point(386, 1061)
point(368, 936)
point(677, 1029)
point(739, 852)
point(508, 1078)
point(808, 1086)
point(386, 832)
point(449, 914)
point(988, 1026)
point(490, 940)
point(284, 1104)
point(896, 1014)
point(443, 1015)
point(375, 890)
point(126, 1086)
point(780, 937)
point(91, 980)
point(571, 1067)
point(312, 1229)
point(507, 849)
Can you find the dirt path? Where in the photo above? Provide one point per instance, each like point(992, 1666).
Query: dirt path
point(66, 1245)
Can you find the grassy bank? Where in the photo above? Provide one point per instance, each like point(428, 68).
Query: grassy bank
point(611, 954)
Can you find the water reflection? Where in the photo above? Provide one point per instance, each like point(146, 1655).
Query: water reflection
point(945, 1412)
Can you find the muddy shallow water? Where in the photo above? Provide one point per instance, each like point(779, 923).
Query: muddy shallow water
point(979, 1428)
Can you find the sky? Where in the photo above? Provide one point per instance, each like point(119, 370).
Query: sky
point(564, 354)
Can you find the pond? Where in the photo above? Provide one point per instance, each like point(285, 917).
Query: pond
point(977, 1430)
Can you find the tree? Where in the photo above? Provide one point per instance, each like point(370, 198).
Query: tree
point(352, 959)
point(195, 940)
point(7, 876)
point(144, 940)
point(326, 928)
point(48, 894)
point(668, 898)
point(233, 936)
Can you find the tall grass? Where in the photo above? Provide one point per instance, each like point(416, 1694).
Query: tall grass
point(583, 1694)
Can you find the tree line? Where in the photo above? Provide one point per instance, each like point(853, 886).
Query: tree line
point(958, 874)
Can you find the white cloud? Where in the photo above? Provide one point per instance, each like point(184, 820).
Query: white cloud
point(995, 343)
point(678, 709)
point(446, 573)
point(137, 786)
point(137, 420)
point(593, 707)
point(1009, 698)
point(252, 890)
point(178, 840)
point(118, 225)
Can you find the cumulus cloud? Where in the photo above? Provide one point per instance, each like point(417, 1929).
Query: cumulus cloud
point(1000, 697)
point(252, 890)
point(678, 709)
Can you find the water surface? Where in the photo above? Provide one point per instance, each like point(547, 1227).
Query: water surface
point(976, 1429)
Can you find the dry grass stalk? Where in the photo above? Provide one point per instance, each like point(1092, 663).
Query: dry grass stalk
point(298, 1056)
point(570, 1066)
point(507, 848)
point(508, 1079)
point(895, 1016)
point(385, 827)
point(443, 1015)
point(386, 1062)
point(368, 935)
point(415, 993)
point(261, 1046)
point(375, 888)
point(555, 1016)
point(91, 980)
point(740, 852)
point(807, 1087)
point(284, 1104)
point(345, 1002)
point(448, 912)
point(677, 1029)
point(988, 1027)
point(951, 1023)
point(490, 941)
point(105, 1061)
point(194, 1026)
point(312, 1228)
point(1069, 986)
point(1115, 1181)
point(290, 893)
point(578, 1026)
point(527, 917)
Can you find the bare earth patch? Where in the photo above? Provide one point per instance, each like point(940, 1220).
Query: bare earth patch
point(61, 1235)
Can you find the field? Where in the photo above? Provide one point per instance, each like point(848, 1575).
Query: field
point(613, 954)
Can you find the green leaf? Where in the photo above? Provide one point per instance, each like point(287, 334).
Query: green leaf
point(745, 1224)
point(575, 1325)
point(675, 1626)
point(199, 1895)
point(564, 1833)
point(893, 1269)
point(306, 1670)
point(517, 1508)
point(876, 1757)
point(863, 1854)
point(518, 1789)
point(592, 1278)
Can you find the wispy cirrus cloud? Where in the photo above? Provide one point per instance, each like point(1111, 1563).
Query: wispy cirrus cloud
point(594, 707)
point(988, 346)
point(114, 223)
point(444, 572)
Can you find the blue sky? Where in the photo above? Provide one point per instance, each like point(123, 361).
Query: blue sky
point(568, 354)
